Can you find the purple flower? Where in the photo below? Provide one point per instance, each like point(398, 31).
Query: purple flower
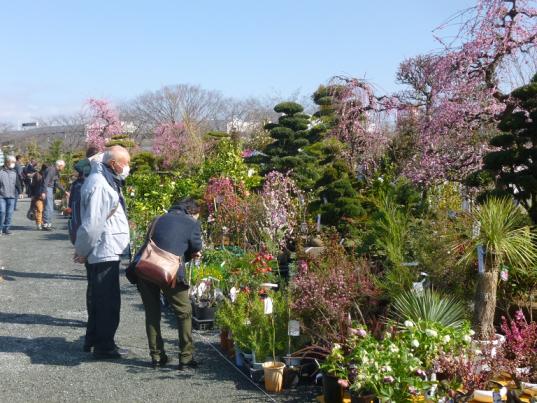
point(388, 379)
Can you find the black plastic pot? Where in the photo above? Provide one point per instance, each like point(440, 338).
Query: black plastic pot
point(332, 390)
point(204, 313)
point(363, 398)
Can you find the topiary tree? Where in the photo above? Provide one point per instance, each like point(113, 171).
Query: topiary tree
point(286, 154)
point(338, 205)
point(513, 166)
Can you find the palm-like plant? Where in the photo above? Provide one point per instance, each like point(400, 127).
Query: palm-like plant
point(507, 239)
point(429, 306)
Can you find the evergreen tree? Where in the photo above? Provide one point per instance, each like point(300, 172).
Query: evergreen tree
point(287, 152)
point(338, 202)
point(513, 168)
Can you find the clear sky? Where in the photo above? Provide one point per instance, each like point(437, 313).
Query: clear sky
point(56, 54)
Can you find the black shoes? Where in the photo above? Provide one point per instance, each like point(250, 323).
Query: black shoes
point(8, 232)
point(155, 364)
point(111, 354)
point(192, 365)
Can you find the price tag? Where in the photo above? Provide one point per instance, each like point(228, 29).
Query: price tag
point(267, 305)
point(293, 328)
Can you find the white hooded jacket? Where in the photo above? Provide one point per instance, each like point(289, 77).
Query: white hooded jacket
point(103, 234)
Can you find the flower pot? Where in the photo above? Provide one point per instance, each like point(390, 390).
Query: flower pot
point(226, 344)
point(332, 390)
point(488, 395)
point(292, 361)
point(204, 313)
point(529, 388)
point(255, 363)
point(239, 359)
point(363, 398)
point(273, 371)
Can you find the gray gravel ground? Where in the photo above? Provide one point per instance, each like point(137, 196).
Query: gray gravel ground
point(42, 321)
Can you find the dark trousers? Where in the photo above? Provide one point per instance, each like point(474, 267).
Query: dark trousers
point(180, 303)
point(103, 301)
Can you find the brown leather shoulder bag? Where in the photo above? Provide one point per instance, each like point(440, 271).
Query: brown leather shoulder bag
point(157, 265)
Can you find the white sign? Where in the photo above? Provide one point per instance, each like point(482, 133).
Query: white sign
point(293, 328)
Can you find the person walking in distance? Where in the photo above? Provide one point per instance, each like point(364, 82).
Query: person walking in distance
point(19, 168)
point(101, 240)
point(51, 180)
point(10, 187)
point(34, 191)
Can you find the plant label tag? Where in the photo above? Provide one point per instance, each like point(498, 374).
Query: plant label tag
point(496, 397)
point(293, 328)
point(480, 259)
point(267, 305)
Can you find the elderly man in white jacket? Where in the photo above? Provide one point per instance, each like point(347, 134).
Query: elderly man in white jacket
point(101, 240)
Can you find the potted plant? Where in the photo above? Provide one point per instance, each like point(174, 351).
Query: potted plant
point(386, 369)
point(520, 351)
point(335, 376)
point(205, 295)
point(275, 308)
point(472, 372)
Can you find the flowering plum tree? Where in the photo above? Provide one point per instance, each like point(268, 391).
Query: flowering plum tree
point(457, 91)
point(103, 125)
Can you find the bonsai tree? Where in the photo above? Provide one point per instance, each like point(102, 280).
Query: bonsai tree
point(508, 240)
point(338, 205)
point(513, 167)
point(286, 154)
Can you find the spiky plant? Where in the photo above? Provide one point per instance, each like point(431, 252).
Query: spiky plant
point(508, 240)
point(428, 306)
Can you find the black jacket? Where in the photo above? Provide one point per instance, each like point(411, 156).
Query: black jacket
point(178, 233)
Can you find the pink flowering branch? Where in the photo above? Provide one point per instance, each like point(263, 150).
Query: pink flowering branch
point(104, 123)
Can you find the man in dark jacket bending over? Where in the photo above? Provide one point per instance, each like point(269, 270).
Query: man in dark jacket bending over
point(177, 232)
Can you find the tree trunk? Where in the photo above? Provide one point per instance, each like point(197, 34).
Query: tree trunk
point(485, 304)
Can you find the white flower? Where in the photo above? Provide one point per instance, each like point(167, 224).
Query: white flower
point(386, 368)
point(446, 339)
point(467, 339)
point(409, 323)
point(393, 348)
point(471, 333)
point(415, 343)
point(336, 347)
point(431, 332)
point(478, 352)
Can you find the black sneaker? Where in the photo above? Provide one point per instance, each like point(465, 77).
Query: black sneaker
point(192, 365)
point(7, 232)
point(111, 354)
point(159, 363)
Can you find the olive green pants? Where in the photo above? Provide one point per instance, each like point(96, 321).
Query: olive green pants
point(180, 303)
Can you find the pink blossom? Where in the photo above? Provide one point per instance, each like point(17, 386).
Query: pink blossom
point(103, 125)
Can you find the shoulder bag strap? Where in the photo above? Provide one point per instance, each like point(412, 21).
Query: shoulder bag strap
point(153, 228)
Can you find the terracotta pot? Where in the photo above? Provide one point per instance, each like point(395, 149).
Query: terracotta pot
point(273, 371)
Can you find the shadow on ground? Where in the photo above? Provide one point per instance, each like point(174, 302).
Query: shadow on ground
point(37, 319)
point(11, 275)
point(56, 351)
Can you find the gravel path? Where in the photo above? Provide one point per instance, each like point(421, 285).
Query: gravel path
point(42, 321)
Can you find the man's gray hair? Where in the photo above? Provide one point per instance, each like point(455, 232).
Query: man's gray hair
point(108, 156)
point(114, 153)
point(11, 158)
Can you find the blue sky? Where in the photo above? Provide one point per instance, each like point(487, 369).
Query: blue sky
point(56, 54)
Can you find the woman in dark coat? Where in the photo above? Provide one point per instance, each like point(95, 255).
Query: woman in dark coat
point(178, 232)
